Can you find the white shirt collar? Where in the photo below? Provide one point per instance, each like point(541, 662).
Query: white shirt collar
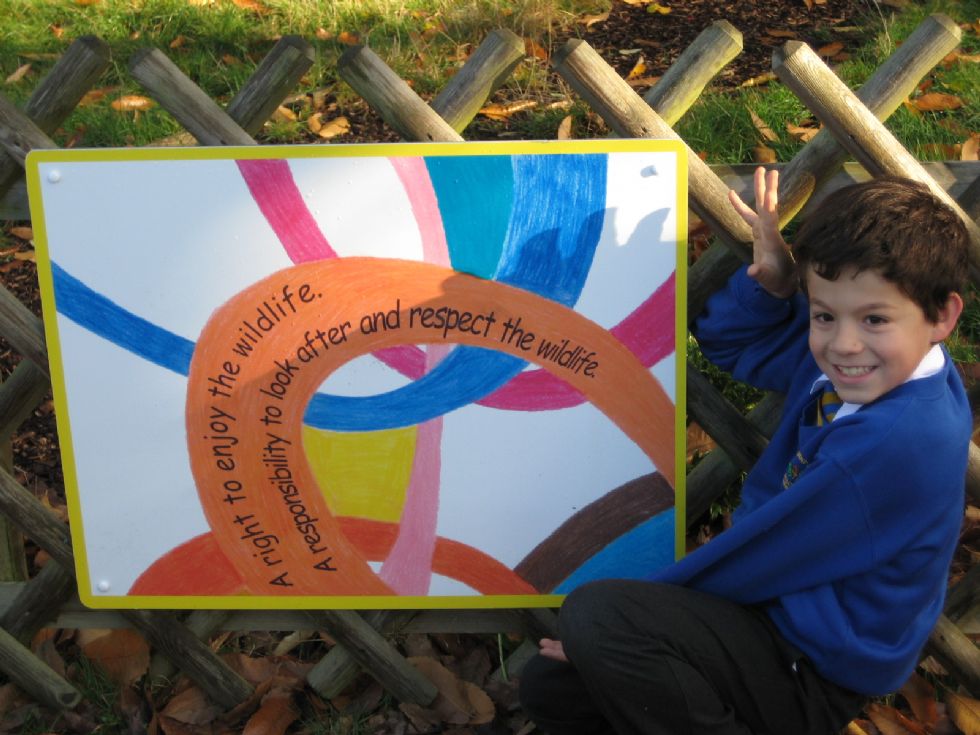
point(931, 364)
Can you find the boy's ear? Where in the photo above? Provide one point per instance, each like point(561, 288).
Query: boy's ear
point(948, 315)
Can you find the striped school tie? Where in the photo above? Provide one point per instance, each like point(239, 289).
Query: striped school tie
point(828, 405)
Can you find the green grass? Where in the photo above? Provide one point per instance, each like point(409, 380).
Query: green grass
point(425, 41)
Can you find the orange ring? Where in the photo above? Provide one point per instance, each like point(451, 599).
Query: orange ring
point(245, 409)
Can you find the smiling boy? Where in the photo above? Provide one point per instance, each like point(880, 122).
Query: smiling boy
point(829, 582)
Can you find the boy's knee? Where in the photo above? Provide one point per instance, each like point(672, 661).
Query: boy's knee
point(587, 613)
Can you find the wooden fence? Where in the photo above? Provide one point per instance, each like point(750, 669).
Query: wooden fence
point(853, 128)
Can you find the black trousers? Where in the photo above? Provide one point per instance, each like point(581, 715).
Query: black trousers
point(664, 660)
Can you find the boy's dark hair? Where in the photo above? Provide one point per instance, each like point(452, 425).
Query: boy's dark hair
point(895, 227)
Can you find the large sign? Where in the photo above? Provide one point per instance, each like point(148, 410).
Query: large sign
point(366, 376)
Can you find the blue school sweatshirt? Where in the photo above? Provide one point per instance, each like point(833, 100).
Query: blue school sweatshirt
point(850, 559)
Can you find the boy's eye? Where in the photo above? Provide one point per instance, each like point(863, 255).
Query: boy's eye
point(822, 317)
point(875, 320)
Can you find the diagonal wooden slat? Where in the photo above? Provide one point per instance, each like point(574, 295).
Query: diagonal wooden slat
point(39, 601)
point(742, 441)
point(681, 85)
point(59, 93)
point(717, 470)
point(487, 68)
point(376, 655)
point(183, 99)
point(392, 98)
point(279, 72)
point(35, 677)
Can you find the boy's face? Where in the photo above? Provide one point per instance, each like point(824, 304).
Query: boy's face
point(867, 336)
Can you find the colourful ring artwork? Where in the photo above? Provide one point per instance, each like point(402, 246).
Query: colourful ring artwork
point(366, 376)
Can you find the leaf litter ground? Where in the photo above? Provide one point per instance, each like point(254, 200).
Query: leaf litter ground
point(475, 697)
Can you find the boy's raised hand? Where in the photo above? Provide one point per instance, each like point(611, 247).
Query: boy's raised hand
point(772, 264)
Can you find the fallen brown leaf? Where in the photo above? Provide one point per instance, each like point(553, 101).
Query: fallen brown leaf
point(658, 8)
point(762, 128)
point(968, 58)
point(348, 38)
point(803, 133)
point(252, 5)
point(276, 713)
point(886, 719)
point(964, 711)
point(759, 80)
point(777, 33)
point(56, 30)
point(480, 703)
point(28, 255)
point(132, 103)
point(941, 150)
point(535, 50)
point(123, 654)
point(590, 20)
point(452, 703)
point(921, 696)
point(763, 154)
point(96, 95)
point(19, 73)
point(637, 2)
point(565, 128)
point(643, 81)
point(831, 49)
point(937, 102)
point(178, 42)
point(638, 70)
point(314, 122)
point(192, 707)
point(506, 111)
point(229, 60)
point(23, 233)
point(970, 148)
point(333, 128)
point(323, 34)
